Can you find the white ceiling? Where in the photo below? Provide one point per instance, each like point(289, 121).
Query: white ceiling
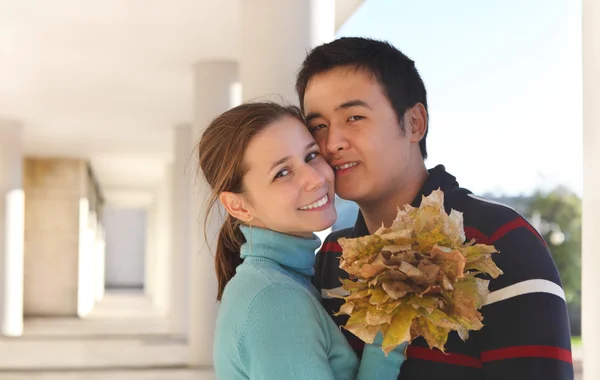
point(109, 79)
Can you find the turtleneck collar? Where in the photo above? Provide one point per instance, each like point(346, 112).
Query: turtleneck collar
point(291, 252)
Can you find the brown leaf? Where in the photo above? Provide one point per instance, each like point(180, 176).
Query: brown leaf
point(397, 289)
point(453, 227)
point(398, 236)
point(359, 294)
point(378, 296)
point(431, 290)
point(388, 275)
point(366, 333)
point(396, 248)
point(451, 261)
point(428, 304)
point(440, 318)
point(468, 296)
point(346, 308)
point(373, 268)
point(485, 265)
point(446, 284)
point(405, 218)
point(377, 317)
point(476, 251)
point(412, 272)
point(412, 257)
point(431, 272)
point(435, 336)
point(353, 285)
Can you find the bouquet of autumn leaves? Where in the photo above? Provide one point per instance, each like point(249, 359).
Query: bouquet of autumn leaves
point(416, 278)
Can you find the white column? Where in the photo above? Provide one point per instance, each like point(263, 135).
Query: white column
point(100, 266)
point(276, 35)
point(12, 226)
point(591, 184)
point(215, 92)
point(162, 265)
point(183, 172)
point(150, 257)
point(86, 259)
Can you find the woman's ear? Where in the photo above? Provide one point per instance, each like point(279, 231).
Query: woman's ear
point(236, 206)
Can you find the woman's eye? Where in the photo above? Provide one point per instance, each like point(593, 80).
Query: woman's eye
point(312, 156)
point(282, 173)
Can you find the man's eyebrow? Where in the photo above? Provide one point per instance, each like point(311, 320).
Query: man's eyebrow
point(311, 116)
point(353, 103)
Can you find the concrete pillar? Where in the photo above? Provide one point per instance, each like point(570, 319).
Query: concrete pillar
point(591, 184)
point(86, 259)
point(183, 172)
point(100, 265)
point(162, 263)
point(276, 35)
point(215, 92)
point(12, 225)
point(58, 258)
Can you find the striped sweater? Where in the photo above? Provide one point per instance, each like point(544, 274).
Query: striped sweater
point(526, 328)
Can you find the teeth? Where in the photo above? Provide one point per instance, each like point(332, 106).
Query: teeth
point(346, 166)
point(318, 203)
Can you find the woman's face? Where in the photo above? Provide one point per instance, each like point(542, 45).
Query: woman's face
point(289, 185)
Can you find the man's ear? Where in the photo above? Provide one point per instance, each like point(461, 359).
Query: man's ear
point(236, 206)
point(417, 122)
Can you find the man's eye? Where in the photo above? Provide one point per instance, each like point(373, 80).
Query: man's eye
point(317, 127)
point(355, 118)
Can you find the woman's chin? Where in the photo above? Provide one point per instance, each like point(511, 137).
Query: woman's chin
point(326, 222)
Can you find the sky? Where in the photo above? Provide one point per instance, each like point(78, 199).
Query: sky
point(504, 86)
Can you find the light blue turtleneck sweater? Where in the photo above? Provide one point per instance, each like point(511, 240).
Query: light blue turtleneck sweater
point(271, 325)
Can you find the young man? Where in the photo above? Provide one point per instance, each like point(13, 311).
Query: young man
point(366, 106)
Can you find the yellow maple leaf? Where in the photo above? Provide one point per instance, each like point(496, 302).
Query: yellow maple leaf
point(399, 330)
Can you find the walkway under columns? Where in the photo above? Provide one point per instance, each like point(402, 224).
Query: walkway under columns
point(123, 338)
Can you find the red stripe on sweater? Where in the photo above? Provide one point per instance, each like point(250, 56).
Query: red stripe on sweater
point(473, 233)
point(422, 353)
point(331, 246)
point(549, 352)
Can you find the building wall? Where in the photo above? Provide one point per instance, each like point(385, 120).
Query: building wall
point(125, 246)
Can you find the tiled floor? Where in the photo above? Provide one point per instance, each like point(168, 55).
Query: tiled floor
point(124, 338)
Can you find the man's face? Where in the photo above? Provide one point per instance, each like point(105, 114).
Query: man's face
point(358, 132)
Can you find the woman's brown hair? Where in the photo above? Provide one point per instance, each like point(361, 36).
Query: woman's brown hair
point(221, 154)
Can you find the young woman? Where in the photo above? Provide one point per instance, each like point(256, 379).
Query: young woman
point(266, 170)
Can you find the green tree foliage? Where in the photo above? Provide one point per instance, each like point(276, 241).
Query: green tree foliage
point(560, 212)
point(558, 217)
